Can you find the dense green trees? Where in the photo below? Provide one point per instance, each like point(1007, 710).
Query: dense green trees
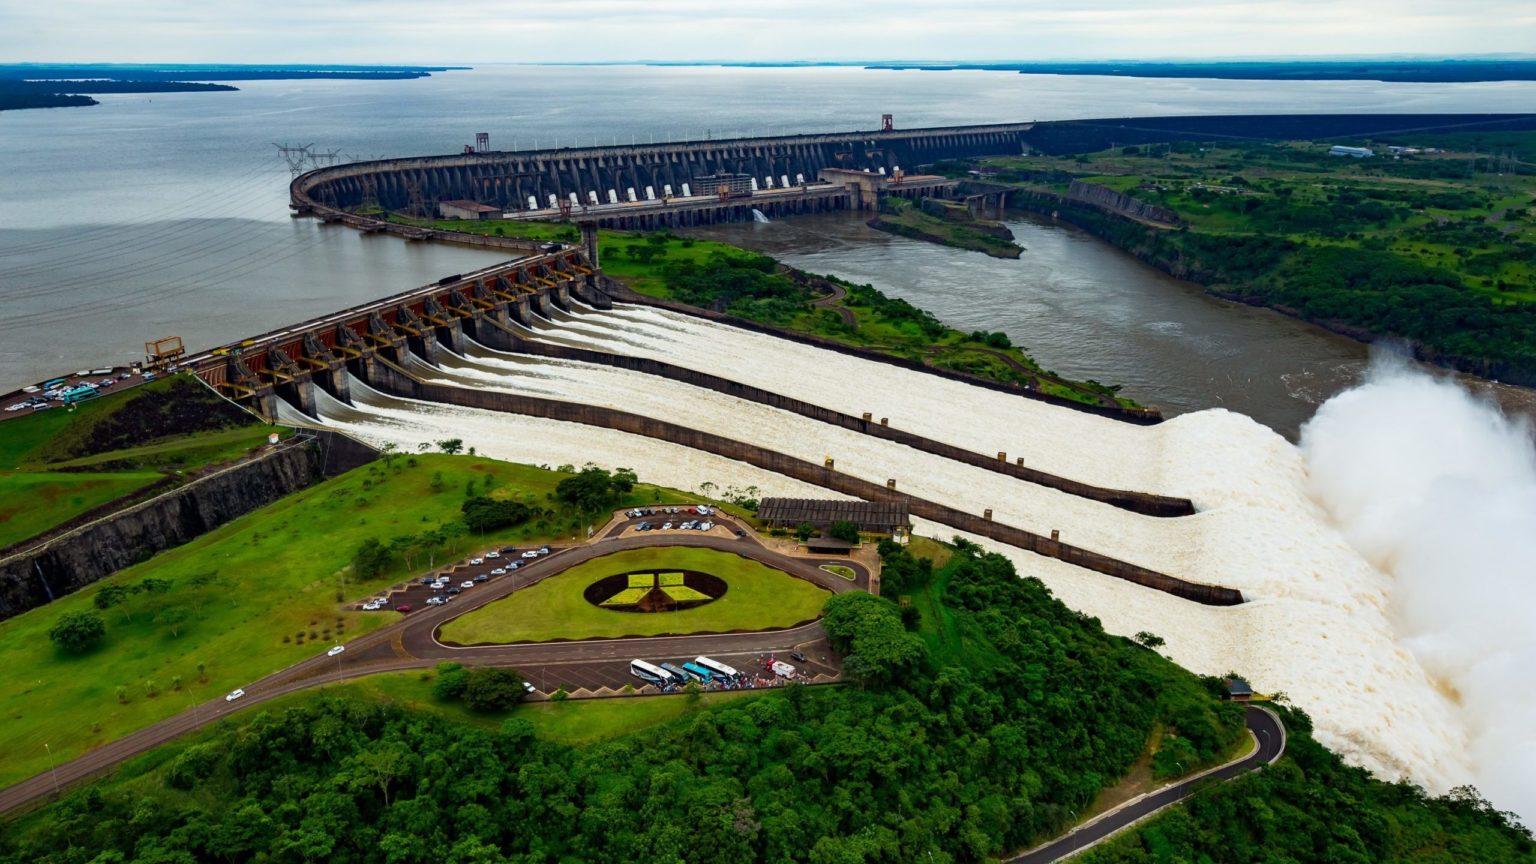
point(1009, 715)
point(483, 513)
point(594, 489)
point(77, 632)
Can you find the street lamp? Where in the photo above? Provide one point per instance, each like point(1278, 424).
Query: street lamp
point(57, 792)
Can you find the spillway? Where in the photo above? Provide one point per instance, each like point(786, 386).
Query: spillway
point(1315, 627)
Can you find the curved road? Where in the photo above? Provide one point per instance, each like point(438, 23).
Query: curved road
point(411, 643)
point(1266, 730)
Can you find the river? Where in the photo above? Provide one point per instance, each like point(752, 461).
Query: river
point(1087, 310)
point(165, 214)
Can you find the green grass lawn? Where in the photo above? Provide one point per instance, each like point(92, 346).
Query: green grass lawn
point(245, 591)
point(840, 570)
point(31, 503)
point(757, 597)
point(37, 493)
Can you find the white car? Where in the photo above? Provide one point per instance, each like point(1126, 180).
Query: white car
point(529, 687)
point(493, 554)
point(18, 406)
point(468, 583)
point(82, 373)
point(335, 650)
point(667, 527)
point(531, 553)
point(235, 695)
point(706, 526)
point(477, 560)
point(370, 607)
point(499, 571)
point(32, 388)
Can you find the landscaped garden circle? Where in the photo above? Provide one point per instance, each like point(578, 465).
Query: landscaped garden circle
point(750, 596)
point(655, 591)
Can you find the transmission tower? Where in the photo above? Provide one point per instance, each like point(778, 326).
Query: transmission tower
point(415, 204)
point(296, 157)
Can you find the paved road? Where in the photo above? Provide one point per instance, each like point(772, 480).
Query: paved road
point(411, 643)
point(1266, 729)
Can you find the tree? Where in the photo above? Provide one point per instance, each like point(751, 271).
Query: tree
point(482, 513)
point(174, 618)
point(493, 689)
point(388, 451)
point(109, 596)
point(152, 585)
point(804, 530)
point(1151, 640)
point(77, 632)
point(451, 446)
point(371, 558)
point(844, 530)
point(452, 679)
point(594, 488)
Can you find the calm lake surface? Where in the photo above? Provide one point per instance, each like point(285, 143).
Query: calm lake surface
point(166, 214)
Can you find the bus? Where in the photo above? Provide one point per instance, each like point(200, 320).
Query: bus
point(79, 394)
point(650, 673)
point(677, 674)
point(715, 666)
point(699, 672)
point(57, 382)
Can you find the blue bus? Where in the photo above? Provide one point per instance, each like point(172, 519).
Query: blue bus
point(702, 675)
point(677, 674)
point(49, 385)
point(79, 394)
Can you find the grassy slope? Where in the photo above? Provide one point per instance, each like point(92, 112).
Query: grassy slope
point(265, 576)
point(36, 495)
point(757, 597)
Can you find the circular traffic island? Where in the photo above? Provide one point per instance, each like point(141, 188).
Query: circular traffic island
point(656, 591)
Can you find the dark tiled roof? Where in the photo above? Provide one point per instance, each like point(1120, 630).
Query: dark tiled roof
point(879, 516)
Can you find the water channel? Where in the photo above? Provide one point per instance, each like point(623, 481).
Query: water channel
point(1087, 310)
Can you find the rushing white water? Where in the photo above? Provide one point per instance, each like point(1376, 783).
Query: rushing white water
point(1318, 625)
point(1438, 489)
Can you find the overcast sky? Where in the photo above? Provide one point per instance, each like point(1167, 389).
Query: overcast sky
point(489, 31)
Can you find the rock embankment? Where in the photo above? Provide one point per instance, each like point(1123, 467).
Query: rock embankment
point(1120, 203)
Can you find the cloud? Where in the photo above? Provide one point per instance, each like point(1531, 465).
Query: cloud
point(609, 30)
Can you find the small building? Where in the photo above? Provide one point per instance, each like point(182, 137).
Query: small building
point(828, 546)
point(1355, 152)
point(1238, 690)
point(728, 185)
point(467, 210)
point(871, 517)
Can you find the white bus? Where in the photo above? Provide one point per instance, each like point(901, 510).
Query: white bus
point(715, 666)
point(649, 672)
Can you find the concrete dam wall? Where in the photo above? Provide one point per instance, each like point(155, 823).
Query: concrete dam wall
point(508, 179)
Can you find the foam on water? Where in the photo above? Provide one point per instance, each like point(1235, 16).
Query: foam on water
point(1319, 625)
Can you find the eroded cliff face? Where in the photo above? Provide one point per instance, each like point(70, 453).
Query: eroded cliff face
point(33, 578)
point(1119, 203)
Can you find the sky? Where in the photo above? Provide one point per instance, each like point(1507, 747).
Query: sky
point(510, 31)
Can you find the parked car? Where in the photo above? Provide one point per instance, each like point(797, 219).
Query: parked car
point(502, 570)
point(667, 527)
point(529, 687)
point(18, 406)
point(370, 607)
point(706, 526)
point(234, 694)
point(643, 526)
point(467, 583)
point(506, 550)
point(483, 577)
point(493, 554)
point(452, 591)
point(435, 600)
point(403, 607)
point(797, 656)
point(477, 560)
point(543, 550)
point(530, 554)
point(740, 533)
point(336, 650)
point(512, 566)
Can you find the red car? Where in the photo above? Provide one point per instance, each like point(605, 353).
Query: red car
point(403, 607)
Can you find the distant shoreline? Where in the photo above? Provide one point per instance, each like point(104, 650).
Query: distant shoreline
point(46, 85)
point(1449, 71)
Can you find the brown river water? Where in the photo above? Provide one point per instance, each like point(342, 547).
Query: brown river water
point(1087, 310)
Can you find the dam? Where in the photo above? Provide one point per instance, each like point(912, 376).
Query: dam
point(800, 172)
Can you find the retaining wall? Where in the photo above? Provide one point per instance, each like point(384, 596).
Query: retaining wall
point(401, 383)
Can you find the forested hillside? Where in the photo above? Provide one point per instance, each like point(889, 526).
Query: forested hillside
point(983, 716)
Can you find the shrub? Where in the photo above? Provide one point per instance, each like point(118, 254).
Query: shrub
point(77, 632)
